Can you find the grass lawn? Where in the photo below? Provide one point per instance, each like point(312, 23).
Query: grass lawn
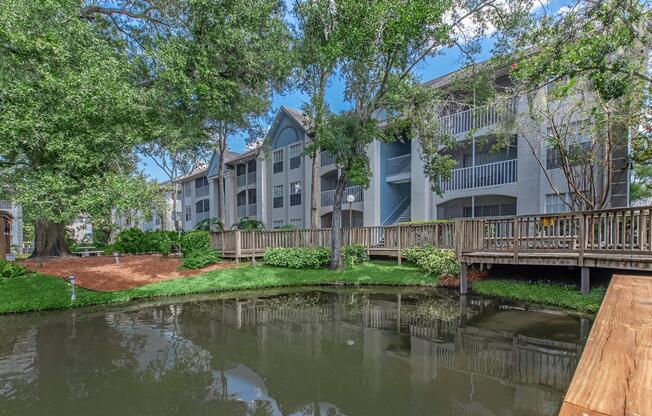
point(563, 296)
point(38, 292)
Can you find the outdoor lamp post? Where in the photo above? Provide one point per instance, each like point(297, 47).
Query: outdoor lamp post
point(72, 279)
point(350, 199)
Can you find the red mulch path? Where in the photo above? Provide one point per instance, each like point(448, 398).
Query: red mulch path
point(453, 282)
point(101, 272)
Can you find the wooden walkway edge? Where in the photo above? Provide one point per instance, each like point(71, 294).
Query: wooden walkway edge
point(614, 375)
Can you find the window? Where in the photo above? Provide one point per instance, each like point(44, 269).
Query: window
point(201, 186)
point(277, 195)
point(295, 155)
point(186, 189)
point(295, 193)
point(201, 182)
point(251, 194)
point(277, 224)
point(188, 213)
point(577, 140)
point(251, 166)
point(241, 169)
point(241, 199)
point(202, 206)
point(277, 158)
point(296, 222)
point(556, 203)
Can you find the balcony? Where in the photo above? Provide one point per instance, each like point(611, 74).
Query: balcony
point(491, 174)
point(201, 216)
point(328, 197)
point(327, 159)
point(477, 117)
point(241, 211)
point(251, 178)
point(202, 191)
point(397, 169)
point(241, 180)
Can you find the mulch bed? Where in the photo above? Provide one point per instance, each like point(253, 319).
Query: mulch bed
point(453, 282)
point(102, 273)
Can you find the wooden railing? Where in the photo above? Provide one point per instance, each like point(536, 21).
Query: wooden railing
point(611, 231)
point(239, 243)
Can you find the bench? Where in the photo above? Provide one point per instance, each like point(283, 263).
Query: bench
point(88, 251)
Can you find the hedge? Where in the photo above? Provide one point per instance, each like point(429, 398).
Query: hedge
point(312, 257)
point(433, 260)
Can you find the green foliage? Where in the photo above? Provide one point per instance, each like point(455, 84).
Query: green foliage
point(71, 113)
point(134, 240)
point(297, 258)
point(288, 227)
point(312, 257)
point(354, 254)
point(249, 224)
point(433, 260)
point(9, 270)
point(200, 258)
point(197, 250)
point(131, 240)
point(641, 186)
point(564, 296)
point(210, 224)
point(195, 241)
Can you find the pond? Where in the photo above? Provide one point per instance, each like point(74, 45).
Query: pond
point(311, 351)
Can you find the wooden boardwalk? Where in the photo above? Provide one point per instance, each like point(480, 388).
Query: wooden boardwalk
point(614, 376)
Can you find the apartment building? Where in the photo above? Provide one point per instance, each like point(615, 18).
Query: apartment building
point(161, 219)
point(16, 211)
point(272, 183)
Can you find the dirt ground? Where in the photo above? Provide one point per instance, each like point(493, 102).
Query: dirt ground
point(102, 273)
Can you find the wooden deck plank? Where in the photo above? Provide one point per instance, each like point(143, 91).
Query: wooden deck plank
point(614, 376)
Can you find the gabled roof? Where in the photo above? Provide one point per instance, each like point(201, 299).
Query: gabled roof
point(197, 172)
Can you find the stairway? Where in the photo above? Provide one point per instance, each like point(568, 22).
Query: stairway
point(405, 216)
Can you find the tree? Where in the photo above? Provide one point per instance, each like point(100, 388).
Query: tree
point(315, 48)
point(380, 45)
point(225, 66)
point(641, 186)
point(70, 117)
point(593, 56)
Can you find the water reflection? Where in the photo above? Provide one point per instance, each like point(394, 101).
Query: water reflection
point(317, 352)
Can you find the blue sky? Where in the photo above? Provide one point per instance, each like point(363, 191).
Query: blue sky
point(447, 61)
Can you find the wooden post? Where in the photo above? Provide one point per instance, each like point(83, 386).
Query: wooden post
point(582, 240)
point(585, 281)
point(253, 249)
point(464, 275)
point(399, 245)
point(517, 238)
point(368, 230)
point(238, 245)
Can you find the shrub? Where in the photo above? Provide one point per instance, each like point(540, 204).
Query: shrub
point(10, 270)
point(433, 260)
point(298, 258)
point(354, 254)
point(200, 258)
point(313, 257)
point(195, 241)
point(210, 224)
point(249, 224)
point(287, 227)
point(131, 240)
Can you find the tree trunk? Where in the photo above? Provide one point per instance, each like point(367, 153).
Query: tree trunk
point(336, 241)
point(314, 194)
point(50, 239)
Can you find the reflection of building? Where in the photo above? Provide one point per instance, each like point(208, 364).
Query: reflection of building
point(332, 351)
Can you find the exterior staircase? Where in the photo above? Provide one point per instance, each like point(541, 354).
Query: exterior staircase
point(402, 213)
point(405, 216)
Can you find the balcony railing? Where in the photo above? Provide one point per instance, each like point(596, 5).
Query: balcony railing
point(398, 165)
point(251, 178)
point(203, 191)
point(327, 159)
point(477, 117)
point(241, 180)
point(491, 174)
point(241, 211)
point(201, 216)
point(328, 197)
point(252, 210)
